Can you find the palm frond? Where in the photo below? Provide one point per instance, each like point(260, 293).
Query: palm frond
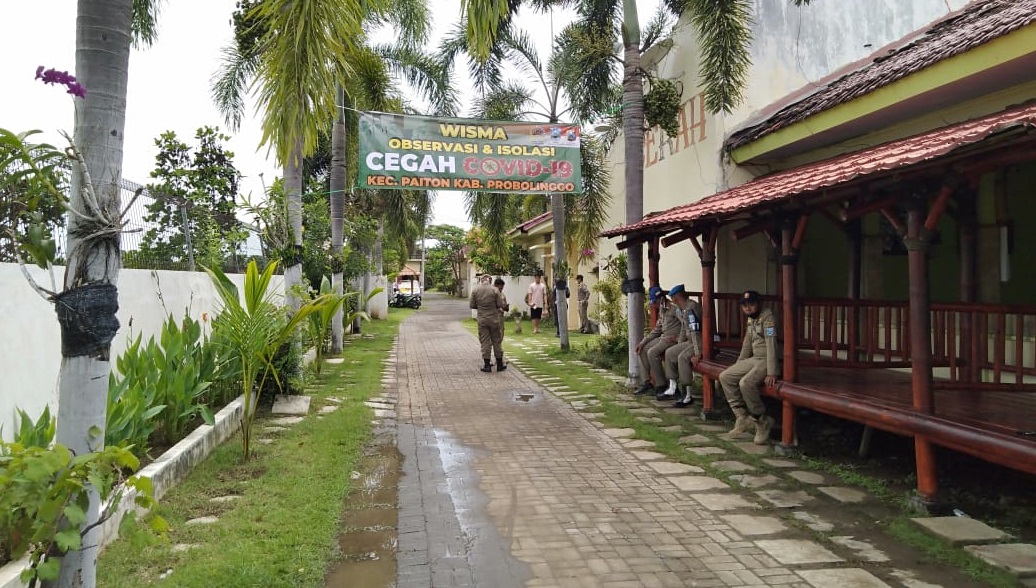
point(724, 31)
point(424, 73)
point(230, 84)
point(507, 102)
point(485, 73)
point(145, 22)
point(658, 28)
point(591, 209)
point(305, 53)
point(411, 20)
point(587, 68)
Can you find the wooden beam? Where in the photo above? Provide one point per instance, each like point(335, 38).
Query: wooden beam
point(696, 244)
point(895, 221)
point(632, 241)
point(771, 236)
point(800, 233)
point(939, 206)
point(865, 208)
point(677, 237)
point(753, 229)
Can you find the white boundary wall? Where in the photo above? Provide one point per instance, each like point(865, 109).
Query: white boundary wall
point(30, 340)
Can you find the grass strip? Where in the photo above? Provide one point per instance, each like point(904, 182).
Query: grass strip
point(282, 529)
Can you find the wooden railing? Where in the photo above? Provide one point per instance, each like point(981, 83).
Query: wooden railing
point(974, 346)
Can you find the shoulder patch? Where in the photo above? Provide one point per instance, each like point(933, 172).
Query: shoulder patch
point(771, 331)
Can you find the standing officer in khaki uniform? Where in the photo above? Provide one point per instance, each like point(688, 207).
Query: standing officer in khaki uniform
point(756, 365)
point(653, 346)
point(583, 296)
point(487, 301)
point(678, 366)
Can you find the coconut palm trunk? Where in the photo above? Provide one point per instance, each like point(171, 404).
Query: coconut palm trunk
point(293, 195)
point(633, 135)
point(86, 309)
point(338, 132)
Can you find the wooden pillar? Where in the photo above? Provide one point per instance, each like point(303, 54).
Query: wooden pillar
point(916, 241)
point(653, 257)
point(792, 234)
point(967, 237)
point(708, 311)
point(854, 231)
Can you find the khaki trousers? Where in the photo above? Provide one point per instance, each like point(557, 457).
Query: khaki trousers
point(653, 355)
point(672, 361)
point(584, 321)
point(686, 370)
point(741, 383)
point(491, 337)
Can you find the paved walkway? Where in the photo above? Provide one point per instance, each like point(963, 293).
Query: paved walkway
point(506, 485)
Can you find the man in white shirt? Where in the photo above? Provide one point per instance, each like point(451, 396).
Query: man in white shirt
point(536, 298)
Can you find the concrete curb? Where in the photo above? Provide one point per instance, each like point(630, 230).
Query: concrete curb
point(165, 472)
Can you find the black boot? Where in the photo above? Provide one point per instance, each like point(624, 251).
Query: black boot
point(644, 389)
point(500, 366)
point(488, 367)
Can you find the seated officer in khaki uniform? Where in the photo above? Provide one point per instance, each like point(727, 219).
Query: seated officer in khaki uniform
point(756, 365)
point(680, 359)
point(652, 347)
point(488, 302)
point(678, 299)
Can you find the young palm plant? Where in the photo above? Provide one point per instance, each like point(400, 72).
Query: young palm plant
point(253, 327)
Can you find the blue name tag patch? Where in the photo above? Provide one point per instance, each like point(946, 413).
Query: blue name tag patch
point(771, 332)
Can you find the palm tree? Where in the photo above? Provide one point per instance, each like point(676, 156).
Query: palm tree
point(577, 218)
point(105, 30)
point(723, 28)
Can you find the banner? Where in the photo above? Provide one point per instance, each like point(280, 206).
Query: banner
point(402, 152)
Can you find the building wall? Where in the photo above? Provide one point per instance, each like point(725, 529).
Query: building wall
point(30, 353)
point(793, 47)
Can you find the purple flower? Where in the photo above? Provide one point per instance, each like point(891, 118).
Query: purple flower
point(53, 76)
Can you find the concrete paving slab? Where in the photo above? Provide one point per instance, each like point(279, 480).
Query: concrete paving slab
point(808, 477)
point(1017, 558)
point(650, 420)
point(619, 433)
point(863, 549)
point(672, 429)
point(636, 443)
point(202, 521)
point(842, 578)
point(285, 421)
point(722, 501)
point(699, 483)
point(784, 498)
point(845, 495)
point(291, 404)
point(274, 429)
point(814, 522)
point(707, 450)
point(780, 463)
point(961, 530)
point(909, 579)
point(696, 439)
point(648, 455)
point(668, 468)
point(752, 525)
point(713, 428)
point(797, 552)
point(645, 410)
point(747, 481)
point(753, 449)
point(732, 466)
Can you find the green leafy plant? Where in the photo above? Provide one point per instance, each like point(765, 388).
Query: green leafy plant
point(162, 389)
point(320, 322)
point(253, 330)
point(44, 497)
point(36, 434)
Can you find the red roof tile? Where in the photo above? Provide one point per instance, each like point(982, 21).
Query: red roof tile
point(978, 23)
point(824, 174)
point(532, 222)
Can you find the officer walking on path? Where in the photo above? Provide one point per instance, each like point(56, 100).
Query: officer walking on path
point(651, 349)
point(583, 296)
point(756, 365)
point(678, 358)
point(488, 301)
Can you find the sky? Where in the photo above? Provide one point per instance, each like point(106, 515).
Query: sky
point(169, 82)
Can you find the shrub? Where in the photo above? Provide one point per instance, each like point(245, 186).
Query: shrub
point(43, 488)
point(162, 389)
point(35, 434)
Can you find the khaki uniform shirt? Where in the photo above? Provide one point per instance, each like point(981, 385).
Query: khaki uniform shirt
point(504, 305)
point(583, 293)
point(667, 325)
point(761, 340)
point(487, 301)
point(691, 327)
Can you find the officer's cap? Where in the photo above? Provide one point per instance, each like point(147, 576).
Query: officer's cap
point(677, 289)
point(655, 292)
point(750, 297)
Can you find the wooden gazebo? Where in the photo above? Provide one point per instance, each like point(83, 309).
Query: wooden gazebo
point(960, 375)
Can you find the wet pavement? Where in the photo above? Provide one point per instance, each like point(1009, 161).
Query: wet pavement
point(505, 485)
